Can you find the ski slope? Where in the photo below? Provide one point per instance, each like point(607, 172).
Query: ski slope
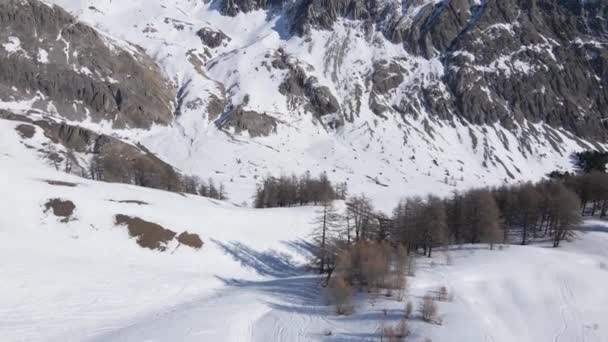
point(86, 280)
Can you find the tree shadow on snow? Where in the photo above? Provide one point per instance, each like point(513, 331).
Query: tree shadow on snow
point(267, 263)
point(354, 337)
point(301, 295)
point(302, 247)
point(594, 227)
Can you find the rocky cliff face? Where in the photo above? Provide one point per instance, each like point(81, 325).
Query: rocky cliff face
point(63, 66)
point(502, 61)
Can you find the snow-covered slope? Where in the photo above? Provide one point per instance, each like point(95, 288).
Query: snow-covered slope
point(86, 279)
point(271, 92)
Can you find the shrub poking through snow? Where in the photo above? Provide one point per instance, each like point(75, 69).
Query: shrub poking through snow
point(409, 309)
point(340, 295)
point(428, 309)
point(395, 333)
point(443, 294)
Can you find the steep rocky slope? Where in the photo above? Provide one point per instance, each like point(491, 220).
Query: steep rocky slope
point(65, 67)
point(502, 61)
point(392, 96)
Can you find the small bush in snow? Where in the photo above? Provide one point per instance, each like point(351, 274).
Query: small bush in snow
point(396, 333)
point(409, 309)
point(449, 260)
point(340, 295)
point(443, 294)
point(428, 309)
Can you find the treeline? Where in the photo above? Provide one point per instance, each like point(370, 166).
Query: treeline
point(287, 191)
point(548, 209)
point(145, 170)
point(143, 173)
point(591, 188)
point(589, 161)
point(362, 247)
point(195, 186)
point(508, 214)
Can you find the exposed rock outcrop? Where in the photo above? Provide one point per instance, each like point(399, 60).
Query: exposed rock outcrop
point(71, 69)
point(256, 124)
point(301, 89)
point(212, 38)
point(234, 7)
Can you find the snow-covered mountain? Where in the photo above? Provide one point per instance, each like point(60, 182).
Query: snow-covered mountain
point(394, 97)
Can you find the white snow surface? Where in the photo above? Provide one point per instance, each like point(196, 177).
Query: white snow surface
point(86, 280)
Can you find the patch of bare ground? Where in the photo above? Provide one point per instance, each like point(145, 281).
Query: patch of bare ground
point(61, 208)
point(192, 240)
point(60, 183)
point(148, 234)
point(130, 202)
point(154, 236)
point(26, 131)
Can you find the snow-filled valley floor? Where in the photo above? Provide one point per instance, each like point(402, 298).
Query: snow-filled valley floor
point(85, 279)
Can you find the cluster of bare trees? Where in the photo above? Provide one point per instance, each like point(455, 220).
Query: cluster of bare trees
point(548, 209)
point(141, 170)
point(195, 186)
point(374, 266)
point(361, 247)
point(592, 189)
point(354, 251)
point(147, 171)
point(287, 191)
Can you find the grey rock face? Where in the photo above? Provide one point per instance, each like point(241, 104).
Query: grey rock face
point(256, 124)
point(212, 38)
point(302, 89)
point(322, 14)
point(541, 61)
point(387, 76)
point(234, 7)
point(321, 98)
point(77, 71)
point(504, 61)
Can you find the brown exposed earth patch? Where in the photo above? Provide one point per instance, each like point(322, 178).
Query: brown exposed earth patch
point(61, 208)
point(26, 131)
point(149, 235)
point(192, 240)
point(60, 183)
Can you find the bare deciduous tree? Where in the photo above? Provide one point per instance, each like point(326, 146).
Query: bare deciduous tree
point(326, 224)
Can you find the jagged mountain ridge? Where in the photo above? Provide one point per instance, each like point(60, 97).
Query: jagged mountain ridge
point(487, 49)
point(388, 95)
